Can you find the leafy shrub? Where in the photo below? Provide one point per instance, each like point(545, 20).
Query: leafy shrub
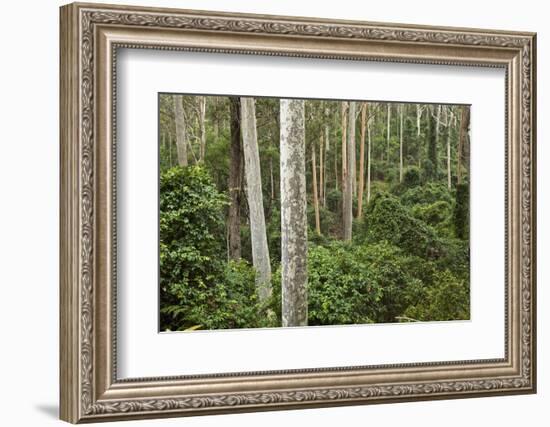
point(448, 298)
point(198, 288)
point(386, 219)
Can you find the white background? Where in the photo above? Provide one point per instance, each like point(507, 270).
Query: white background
point(141, 347)
point(29, 171)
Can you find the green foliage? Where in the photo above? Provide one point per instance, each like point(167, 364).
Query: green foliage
point(461, 212)
point(447, 298)
point(198, 288)
point(386, 219)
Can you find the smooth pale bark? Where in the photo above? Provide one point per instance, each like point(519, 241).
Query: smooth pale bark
point(321, 170)
point(418, 117)
point(271, 178)
point(170, 148)
point(344, 142)
point(388, 134)
point(202, 127)
point(293, 213)
point(437, 135)
point(327, 148)
point(364, 112)
point(235, 174)
point(449, 122)
point(347, 189)
point(260, 250)
point(369, 157)
point(181, 132)
point(401, 143)
point(315, 190)
point(464, 126)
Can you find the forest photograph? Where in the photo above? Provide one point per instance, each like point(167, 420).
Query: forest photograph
point(311, 212)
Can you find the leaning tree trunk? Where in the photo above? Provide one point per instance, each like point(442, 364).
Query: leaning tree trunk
point(364, 112)
point(202, 127)
point(401, 143)
point(464, 126)
point(260, 250)
point(235, 174)
point(181, 132)
point(347, 189)
point(293, 214)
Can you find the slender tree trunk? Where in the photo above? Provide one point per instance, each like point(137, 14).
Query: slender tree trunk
point(315, 189)
point(348, 176)
point(326, 161)
point(170, 149)
point(369, 154)
point(181, 131)
point(293, 214)
point(418, 117)
point(271, 178)
point(344, 142)
point(235, 174)
point(260, 250)
point(449, 121)
point(364, 112)
point(388, 134)
point(437, 135)
point(321, 170)
point(464, 126)
point(401, 143)
point(202, 127)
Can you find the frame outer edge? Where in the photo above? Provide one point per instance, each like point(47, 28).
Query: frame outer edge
point(69, 354)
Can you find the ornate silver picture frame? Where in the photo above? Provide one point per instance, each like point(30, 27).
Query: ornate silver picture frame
point(91, 34)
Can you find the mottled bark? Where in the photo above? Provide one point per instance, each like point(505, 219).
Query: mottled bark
point(347, 189)
point(181, 132)
point(235, 174)
point(364, 112)
point(293, 214)
point(463, 135)
point(260, 250)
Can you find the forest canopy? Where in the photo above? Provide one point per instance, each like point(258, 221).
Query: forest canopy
point(287, 212)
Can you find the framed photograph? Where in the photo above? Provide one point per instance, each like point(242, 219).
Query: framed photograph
point(266, 212)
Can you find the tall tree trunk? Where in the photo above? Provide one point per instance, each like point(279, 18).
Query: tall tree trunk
point(315, 189)
point(326, 161)
point(449, 122)
point(293, 214)
point(418, 117)
point(369, 154)
point(260, 250)
point(401, 143)
point(235, 174)
point(170, 149)
point(202, 127)
point(347, 188)
point(388, 134)
point(344, 142)
point(181, 131)
point(437, 135)
point(364, 112)
point(464, 126)
point(321, 168)
point(271, 178)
